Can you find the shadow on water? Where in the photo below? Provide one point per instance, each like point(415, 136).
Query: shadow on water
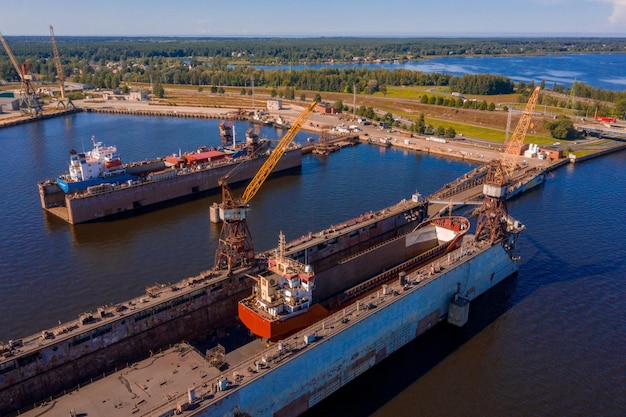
point(542, 266)
point(379, 385)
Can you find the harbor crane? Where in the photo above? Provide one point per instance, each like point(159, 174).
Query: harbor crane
point(235, 247)
point(60, 72)
point(29, 102)
point(493, 214)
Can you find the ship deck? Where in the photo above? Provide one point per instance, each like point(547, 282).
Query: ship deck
point(159, 384)
point(143, 387)
point(313, 239)
point(157, 294)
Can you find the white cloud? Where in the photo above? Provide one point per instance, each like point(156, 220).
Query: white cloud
point(618, 15)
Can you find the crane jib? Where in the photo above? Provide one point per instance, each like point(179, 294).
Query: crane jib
point(275, 156)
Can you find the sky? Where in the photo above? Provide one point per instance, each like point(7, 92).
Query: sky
point(316, 18)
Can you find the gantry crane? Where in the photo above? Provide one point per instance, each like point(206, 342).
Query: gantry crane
point(493, 215)
point(29, 102)
point(60, 72)
point(235, 247)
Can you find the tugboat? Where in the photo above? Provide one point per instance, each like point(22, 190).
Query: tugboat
point(281, 123)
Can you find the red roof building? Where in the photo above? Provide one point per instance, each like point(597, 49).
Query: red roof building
point(202, 157)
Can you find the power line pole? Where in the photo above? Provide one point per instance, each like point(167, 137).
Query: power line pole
point(252, 86)
point(353, 100)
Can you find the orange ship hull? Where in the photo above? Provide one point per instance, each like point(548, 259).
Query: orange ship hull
point(275, 330)
point(431, 240)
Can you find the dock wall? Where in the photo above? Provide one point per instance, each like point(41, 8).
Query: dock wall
point(292, 385)
point(101, 345)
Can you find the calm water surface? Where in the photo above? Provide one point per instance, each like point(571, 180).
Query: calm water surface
point(51, 271)
point(597, 70)
point(549, 342)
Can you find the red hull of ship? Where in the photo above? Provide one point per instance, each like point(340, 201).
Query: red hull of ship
point(276, 329)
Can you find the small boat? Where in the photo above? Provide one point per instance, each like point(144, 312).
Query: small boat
point(258, 118)
point(281, 123)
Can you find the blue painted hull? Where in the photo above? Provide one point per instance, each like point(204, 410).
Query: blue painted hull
point(347, 344)
point(72, 187)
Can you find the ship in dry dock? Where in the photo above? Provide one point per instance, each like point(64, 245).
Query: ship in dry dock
point(406, 300)
point(98, 186)
point(285, 297)
point(114, 335)
point(279, 378)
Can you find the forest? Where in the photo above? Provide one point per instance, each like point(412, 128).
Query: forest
point(111, 62)
point(298, 50)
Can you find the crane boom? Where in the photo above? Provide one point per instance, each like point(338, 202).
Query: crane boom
point(57, 62)
point(235, 247)
point(11, 57)
point(513, 149)
point(276, 154)
point(493, 219)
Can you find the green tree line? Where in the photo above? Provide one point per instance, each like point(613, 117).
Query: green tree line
point(295, 50)
point(112, 62)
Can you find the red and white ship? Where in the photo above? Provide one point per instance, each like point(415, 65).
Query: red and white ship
point(284, 299)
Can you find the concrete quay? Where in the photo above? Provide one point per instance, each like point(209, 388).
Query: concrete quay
point(459, 148)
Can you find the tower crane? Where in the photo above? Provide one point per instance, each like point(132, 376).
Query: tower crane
point(29, 103)
point(60, 73)
point(493, 214)
point(235, 247)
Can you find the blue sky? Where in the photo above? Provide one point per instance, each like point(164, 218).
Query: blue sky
point(315, 18)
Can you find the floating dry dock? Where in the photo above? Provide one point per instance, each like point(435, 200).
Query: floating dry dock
point(60, 358)
point(160, 186)
point(288, 377)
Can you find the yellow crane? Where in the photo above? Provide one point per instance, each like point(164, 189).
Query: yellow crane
point(514, 146)
point(235, 246)
point(60, 73)
point(29, 103)
point(11, 56)
point(493, 214)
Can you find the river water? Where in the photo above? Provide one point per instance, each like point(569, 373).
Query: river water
point(52, 271)
point(597, 70)
point(548, 342)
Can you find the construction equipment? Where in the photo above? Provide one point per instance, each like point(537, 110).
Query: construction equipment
point(235, 247)
point(226, 131)
point(29, 101)
point(60, 73)
point(493, 215)
point(514, 146)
